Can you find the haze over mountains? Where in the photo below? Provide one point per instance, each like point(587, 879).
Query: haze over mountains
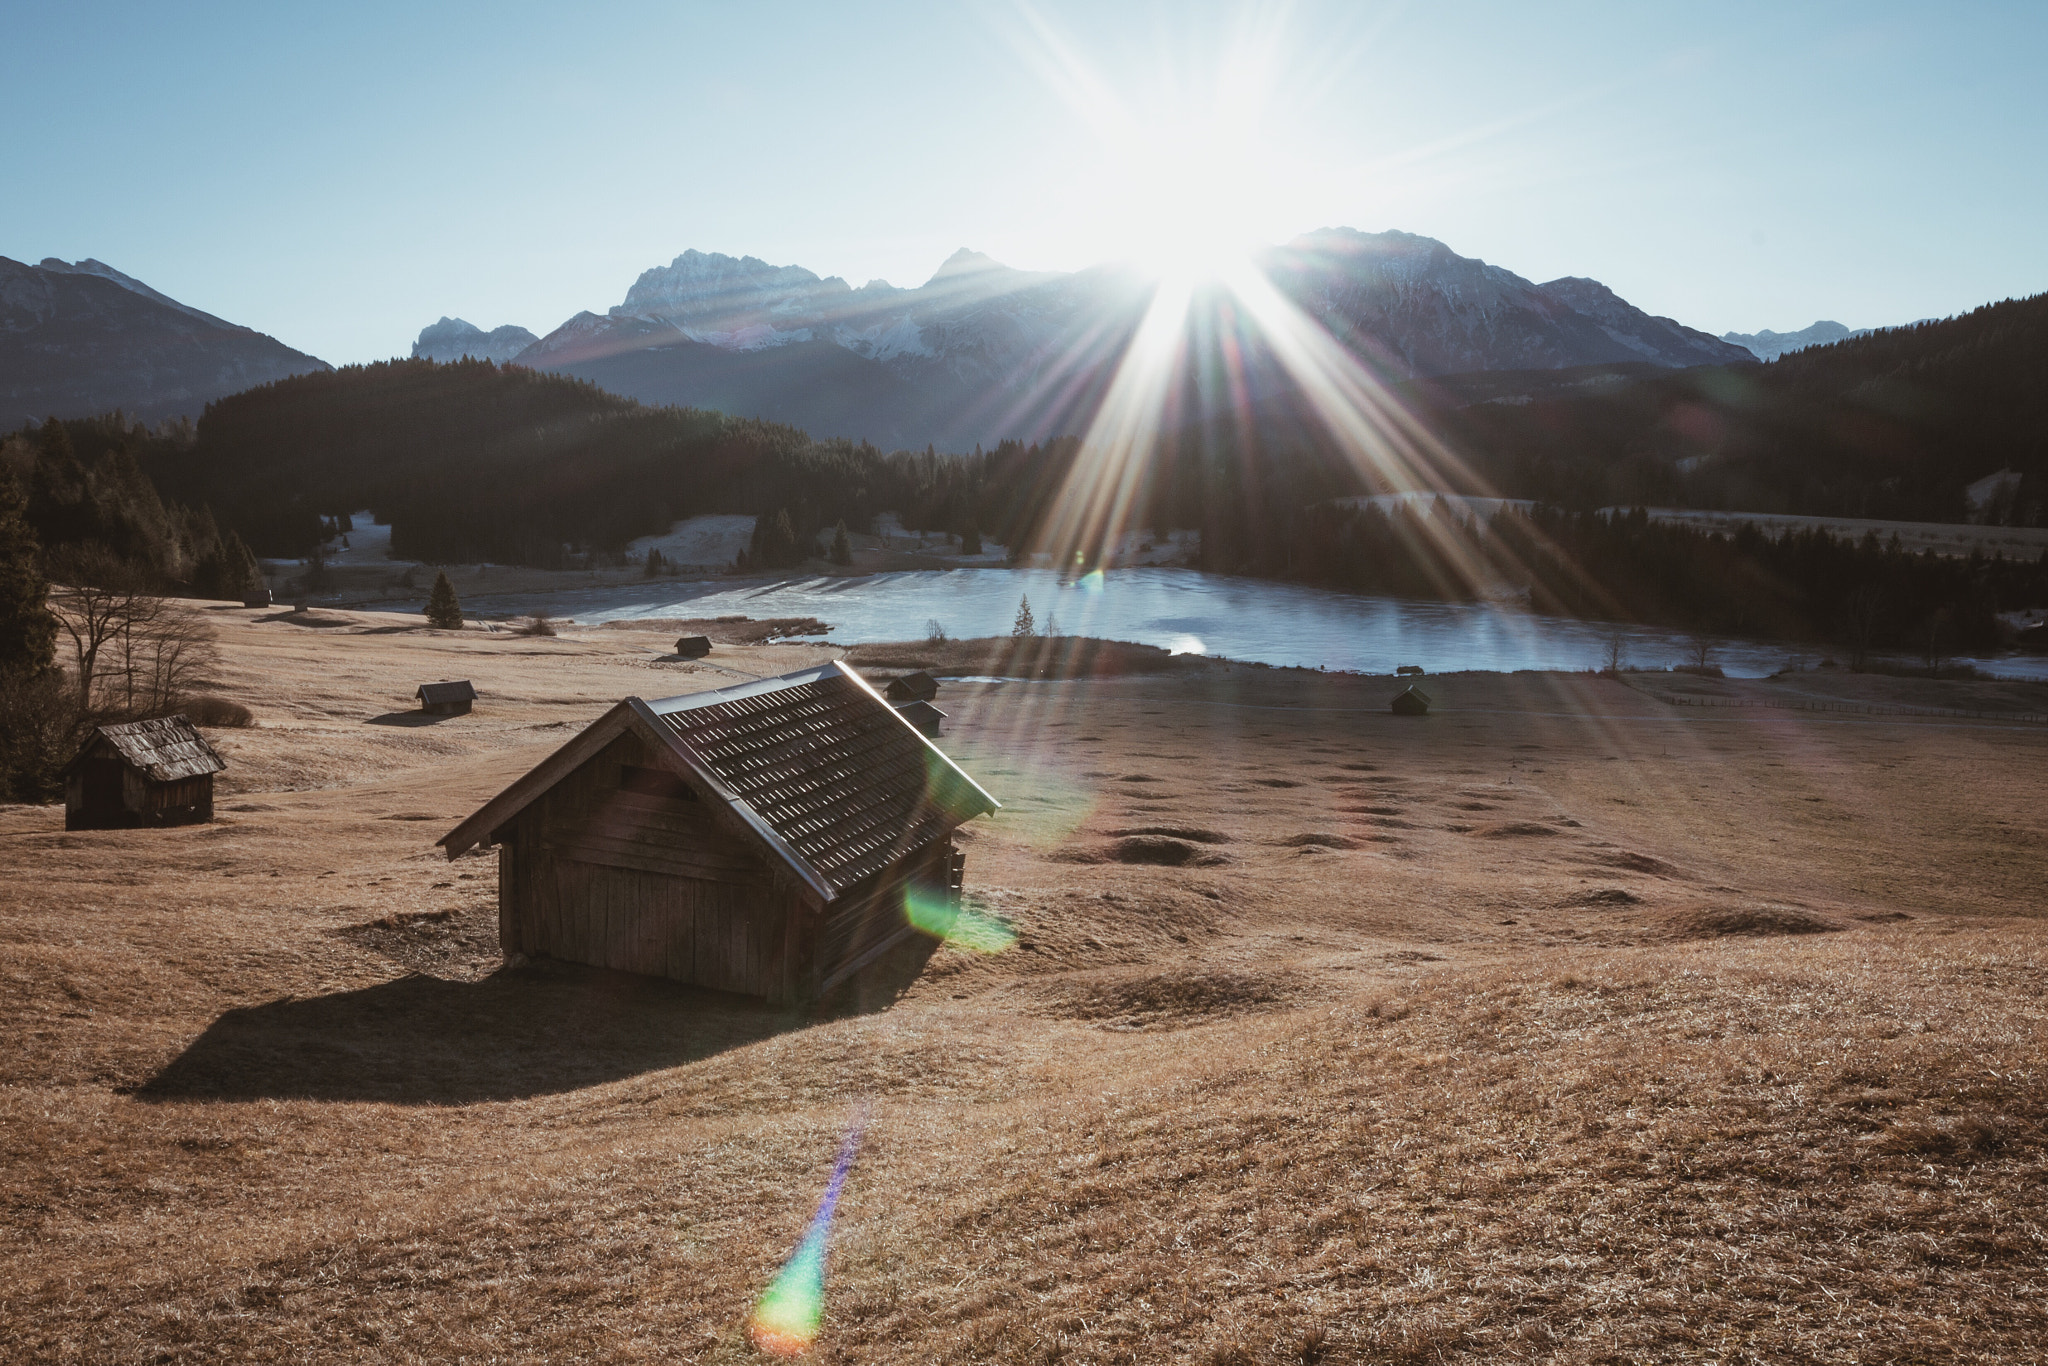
point(77, 339)
point(981, 351)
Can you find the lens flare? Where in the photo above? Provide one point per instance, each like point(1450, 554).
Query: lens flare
point(786, 1317)
point(961, 926)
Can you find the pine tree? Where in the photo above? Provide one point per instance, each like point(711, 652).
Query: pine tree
point(28, 633)
point(842, 548)
point(443, 611)
point(1024, 625)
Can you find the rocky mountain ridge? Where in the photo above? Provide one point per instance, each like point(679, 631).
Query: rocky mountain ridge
point(455, 339)
point(81, 338)
point(1769, 345)
point(982, 351)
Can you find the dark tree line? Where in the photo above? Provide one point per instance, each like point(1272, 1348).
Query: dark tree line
point(85, 489)
point(1891, 426)
point(1860, 595)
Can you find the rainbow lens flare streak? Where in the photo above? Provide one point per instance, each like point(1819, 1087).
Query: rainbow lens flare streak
point(960, 926)
point(786, 1317)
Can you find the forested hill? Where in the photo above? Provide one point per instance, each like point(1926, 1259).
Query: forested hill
point(469, 461)
point(1896, 424)
point(473, 461)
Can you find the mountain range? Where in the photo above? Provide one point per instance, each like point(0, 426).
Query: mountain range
point(80, 338)
point(454, 339)
point(978, 353)
point(1769, 345)
point(982, 351)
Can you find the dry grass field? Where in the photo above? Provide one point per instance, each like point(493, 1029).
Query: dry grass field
point(1562, 1025)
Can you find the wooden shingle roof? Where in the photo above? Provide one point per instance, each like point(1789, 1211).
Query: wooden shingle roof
point(828, 764)
point(823, 772)
point(165, 749)
point(462, 690)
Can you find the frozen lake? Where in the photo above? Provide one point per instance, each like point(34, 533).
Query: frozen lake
point(1179, 609)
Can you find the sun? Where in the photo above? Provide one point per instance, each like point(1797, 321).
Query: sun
point(1186, 169)
point(1188, 207)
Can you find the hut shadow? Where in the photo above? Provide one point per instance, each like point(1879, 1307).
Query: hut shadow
point(414, 717)
point(542, 1029)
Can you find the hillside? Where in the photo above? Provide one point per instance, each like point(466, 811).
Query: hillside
point(1496, 1036)
point(79, 340)
point(1894, 424)
point(467, 461)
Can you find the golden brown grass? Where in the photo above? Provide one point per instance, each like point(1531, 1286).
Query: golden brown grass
point(1558, 1026)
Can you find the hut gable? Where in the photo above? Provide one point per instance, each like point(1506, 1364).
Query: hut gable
point(441, 694)
point(913, 687)
point(167, 749)
point(821, 770)
point(1412, 702)
point(759, 838)
point(156, 772)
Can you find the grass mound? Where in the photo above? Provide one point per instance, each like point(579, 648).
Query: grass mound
point(1603, 896)
point(215, 712)
point(1319, 840)
point(1178, 832)
point(1160, 850)
point(1510, 830)
point(1751, 920)
point(1169, 998)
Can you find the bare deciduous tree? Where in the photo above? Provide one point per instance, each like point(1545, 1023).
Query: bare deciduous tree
point(1703, 651)
point(133, 651)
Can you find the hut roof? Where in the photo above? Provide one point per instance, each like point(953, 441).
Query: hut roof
point(460, 691)
point(164, 749)
point(913, 687)
point(820, 768)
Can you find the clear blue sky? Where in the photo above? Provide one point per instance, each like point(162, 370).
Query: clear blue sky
point(340, 176)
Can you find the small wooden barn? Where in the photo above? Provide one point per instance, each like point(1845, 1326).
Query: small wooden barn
point(927, 718)
point(693, 647)
point(1413, 702)
point(446, 699)
point(157, 772)
point(257, 598)
point(768, 838)
point(916, 687)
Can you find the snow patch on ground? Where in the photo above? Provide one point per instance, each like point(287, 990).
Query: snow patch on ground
point(710, 542)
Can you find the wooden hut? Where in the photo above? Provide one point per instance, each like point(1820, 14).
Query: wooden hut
point(693, 647)
point(917, 687)
point(1413, 702)
point(770, 838)
point(926, 717)
point(258, 598)
point(157, 772)
point(446, 699)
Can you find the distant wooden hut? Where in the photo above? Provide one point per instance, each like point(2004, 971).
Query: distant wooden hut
point(693, 647)
point(259, 598)
point(927, 718)
point(771, 838)
point(1413, 702)
point(446, 699)
point(914, 687)
point(157, 772)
